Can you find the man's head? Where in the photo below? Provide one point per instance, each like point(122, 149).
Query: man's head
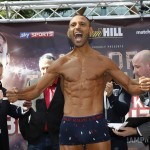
point(79, 30)
point(4, 56)
point(1, 71)
point(45, 61)
point(141, 64)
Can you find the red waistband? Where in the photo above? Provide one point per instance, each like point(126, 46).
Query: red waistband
point(83, 119)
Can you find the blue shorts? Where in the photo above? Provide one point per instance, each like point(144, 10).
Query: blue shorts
point(83, 130)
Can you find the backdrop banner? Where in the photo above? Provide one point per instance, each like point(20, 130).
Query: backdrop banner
point(26, 42)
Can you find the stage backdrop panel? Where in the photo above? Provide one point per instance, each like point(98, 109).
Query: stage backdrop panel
point(26, 42)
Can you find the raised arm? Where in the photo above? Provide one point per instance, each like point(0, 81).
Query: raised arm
point(130, 85)
point(34, 91)
point(30, 93)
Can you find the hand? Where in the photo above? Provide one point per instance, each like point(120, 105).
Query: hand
point(126, 131)
point(27, 104)
point(144, 83)
point(12, 95)
point(109, 88)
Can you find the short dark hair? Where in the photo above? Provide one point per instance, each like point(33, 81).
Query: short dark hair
point(84, 17)
point(49, 56)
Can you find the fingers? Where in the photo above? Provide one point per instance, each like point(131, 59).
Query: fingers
point(27, 104)
point(119, 133)
point(141, 79)
point(12, 95)
point(144, 84)
point(109, 88)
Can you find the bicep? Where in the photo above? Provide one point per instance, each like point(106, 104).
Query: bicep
point(45, 81)
point(120, 78)
point(116, 74)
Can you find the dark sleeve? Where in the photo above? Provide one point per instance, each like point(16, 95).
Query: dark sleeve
point(145, 130)
point(120, 104)
point(145, 98)
point(24, 124)
point(14, 111)
point(4, 91)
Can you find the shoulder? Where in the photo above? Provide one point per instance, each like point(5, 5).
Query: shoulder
point(101, 56)
point(104, 59)
point(58, 63)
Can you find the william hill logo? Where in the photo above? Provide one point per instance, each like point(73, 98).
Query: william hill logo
point(107, 33)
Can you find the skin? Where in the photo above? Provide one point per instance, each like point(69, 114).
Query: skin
point(44, 65)
point(141, 67)
point(141, 64)
point(26, 104)
point(126, 131)
point(109, 88)
point(83, 71)
point(1, 72)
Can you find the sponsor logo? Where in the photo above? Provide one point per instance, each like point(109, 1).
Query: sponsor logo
point(27, 35)
point(143, 32)
point(107, 33)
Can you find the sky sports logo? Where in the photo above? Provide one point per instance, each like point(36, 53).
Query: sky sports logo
point(28, 35)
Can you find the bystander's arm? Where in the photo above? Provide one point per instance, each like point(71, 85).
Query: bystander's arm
point(119, 99)
point(126, 131)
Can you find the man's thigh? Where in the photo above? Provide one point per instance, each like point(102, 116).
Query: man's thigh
point(99, 146)
point(72, 147)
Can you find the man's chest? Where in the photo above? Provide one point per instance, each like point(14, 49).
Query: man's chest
point(79, 71)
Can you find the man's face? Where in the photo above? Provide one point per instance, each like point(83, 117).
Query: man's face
point(44, 64)
point(140, 69)
point(79, 30)
point(4, 57)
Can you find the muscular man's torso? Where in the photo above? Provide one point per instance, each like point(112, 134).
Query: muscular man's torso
point(84, 85)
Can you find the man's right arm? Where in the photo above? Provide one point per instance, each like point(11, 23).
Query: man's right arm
point(34, 91)
point(28, 89)
point(14, 94)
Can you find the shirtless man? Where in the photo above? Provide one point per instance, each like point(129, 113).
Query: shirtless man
point(83, 72)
